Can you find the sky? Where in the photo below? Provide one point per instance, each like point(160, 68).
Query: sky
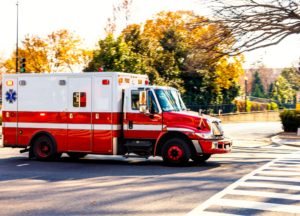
point(88, 17)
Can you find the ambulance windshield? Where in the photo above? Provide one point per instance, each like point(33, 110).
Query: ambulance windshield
point(170, 100)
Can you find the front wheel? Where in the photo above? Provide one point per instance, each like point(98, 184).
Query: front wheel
point(176, 152)
point(201, 159)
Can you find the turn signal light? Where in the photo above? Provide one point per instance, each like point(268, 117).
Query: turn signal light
point(9, 82)
point(105, 82)
point(120, 80)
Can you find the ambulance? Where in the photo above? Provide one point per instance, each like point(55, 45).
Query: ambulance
point(108, 113)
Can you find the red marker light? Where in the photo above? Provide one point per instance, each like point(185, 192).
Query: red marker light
point(9, 82)
point(146, 82)
point(100, 69)
point(42, 114)
point(105, 82)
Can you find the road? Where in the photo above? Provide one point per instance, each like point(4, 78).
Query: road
point(102, 185)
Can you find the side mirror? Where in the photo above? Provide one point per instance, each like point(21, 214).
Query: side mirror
point(143, 101)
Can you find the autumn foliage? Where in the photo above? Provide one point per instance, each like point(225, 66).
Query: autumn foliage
point(60, 51)
point(166, 48)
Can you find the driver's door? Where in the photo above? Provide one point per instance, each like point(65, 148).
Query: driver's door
point(138, 124)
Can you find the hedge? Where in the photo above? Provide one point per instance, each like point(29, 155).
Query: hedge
point(290, 120)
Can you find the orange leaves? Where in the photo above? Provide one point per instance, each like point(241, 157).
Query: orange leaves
point(60, 51)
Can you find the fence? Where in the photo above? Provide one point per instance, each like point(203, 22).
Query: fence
point(214, 109)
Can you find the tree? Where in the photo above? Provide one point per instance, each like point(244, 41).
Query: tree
point(271, 90)
point(292, 76)
point(285, 91)
point(257, 87)
point(166, 50)
point(59, 51)
point(255, 23)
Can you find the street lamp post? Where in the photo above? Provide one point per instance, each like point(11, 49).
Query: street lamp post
point(277, 84)
point(17, 56)
point(246, 79)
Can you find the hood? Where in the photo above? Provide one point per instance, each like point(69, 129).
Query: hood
point(189, 120)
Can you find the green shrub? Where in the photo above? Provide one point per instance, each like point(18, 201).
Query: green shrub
point(290, 120)
point(269, 106)
point(274, 106)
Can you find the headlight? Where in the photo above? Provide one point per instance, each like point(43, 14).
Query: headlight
point(205, 136)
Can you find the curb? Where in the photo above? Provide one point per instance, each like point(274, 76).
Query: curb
point(274, 140)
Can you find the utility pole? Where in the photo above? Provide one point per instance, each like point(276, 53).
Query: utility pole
point(17, 56)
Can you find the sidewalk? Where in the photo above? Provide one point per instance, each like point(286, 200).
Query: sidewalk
point(287, 138)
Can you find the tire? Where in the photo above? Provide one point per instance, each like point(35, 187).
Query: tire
point(201, 159)
point(76, 155)
point(176, 152)
point(44, 149)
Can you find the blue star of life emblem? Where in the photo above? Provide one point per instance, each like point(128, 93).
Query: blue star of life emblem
point(11, 96)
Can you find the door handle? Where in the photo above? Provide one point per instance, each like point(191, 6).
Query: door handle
point(71, 115)
point(130, 124)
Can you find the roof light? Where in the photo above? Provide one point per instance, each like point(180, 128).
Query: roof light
point(9, 82)
point(105, 82)
point(120, 80)
point(146, 82)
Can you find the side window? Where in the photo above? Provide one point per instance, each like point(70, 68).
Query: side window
point(79, 99)
point(152, 103)
point(135, 104)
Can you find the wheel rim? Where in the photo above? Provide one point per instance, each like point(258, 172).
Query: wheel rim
point(44, 149)
point(175, 153)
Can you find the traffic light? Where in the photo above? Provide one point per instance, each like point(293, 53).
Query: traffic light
point(22, 65)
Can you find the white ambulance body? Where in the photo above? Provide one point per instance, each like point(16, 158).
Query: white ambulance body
point(99, 113)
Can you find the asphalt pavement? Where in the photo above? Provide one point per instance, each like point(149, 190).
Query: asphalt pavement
point(110, 185)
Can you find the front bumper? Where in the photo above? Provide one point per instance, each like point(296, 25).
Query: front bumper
point(223, 146)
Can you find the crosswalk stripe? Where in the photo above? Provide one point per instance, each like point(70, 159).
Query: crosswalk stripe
point(278, 168)
point(274, 178)
point(285, 162)
point(265, 194)
point(263, 185)
point(207, 213)
point(290, 159)
point(292, 165)
point(278, 173)
point(257, 205)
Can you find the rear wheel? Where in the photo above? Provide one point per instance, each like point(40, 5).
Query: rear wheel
point(76, 155)
point(201, 159)
point(44, 148)
point(176, 152)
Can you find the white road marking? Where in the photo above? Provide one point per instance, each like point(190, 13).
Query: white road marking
point(258, 205)
point(290, 169)
point(292, 165)
point(285, 162)
point(217, 198)
point(279, 173)
point(23, 165)
point(206, 213)
point(263, 185)
point(274, 179)
point(265, 194)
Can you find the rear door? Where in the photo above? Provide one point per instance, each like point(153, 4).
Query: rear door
point(80, 115)
point(10, 111)
point(138, 124)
